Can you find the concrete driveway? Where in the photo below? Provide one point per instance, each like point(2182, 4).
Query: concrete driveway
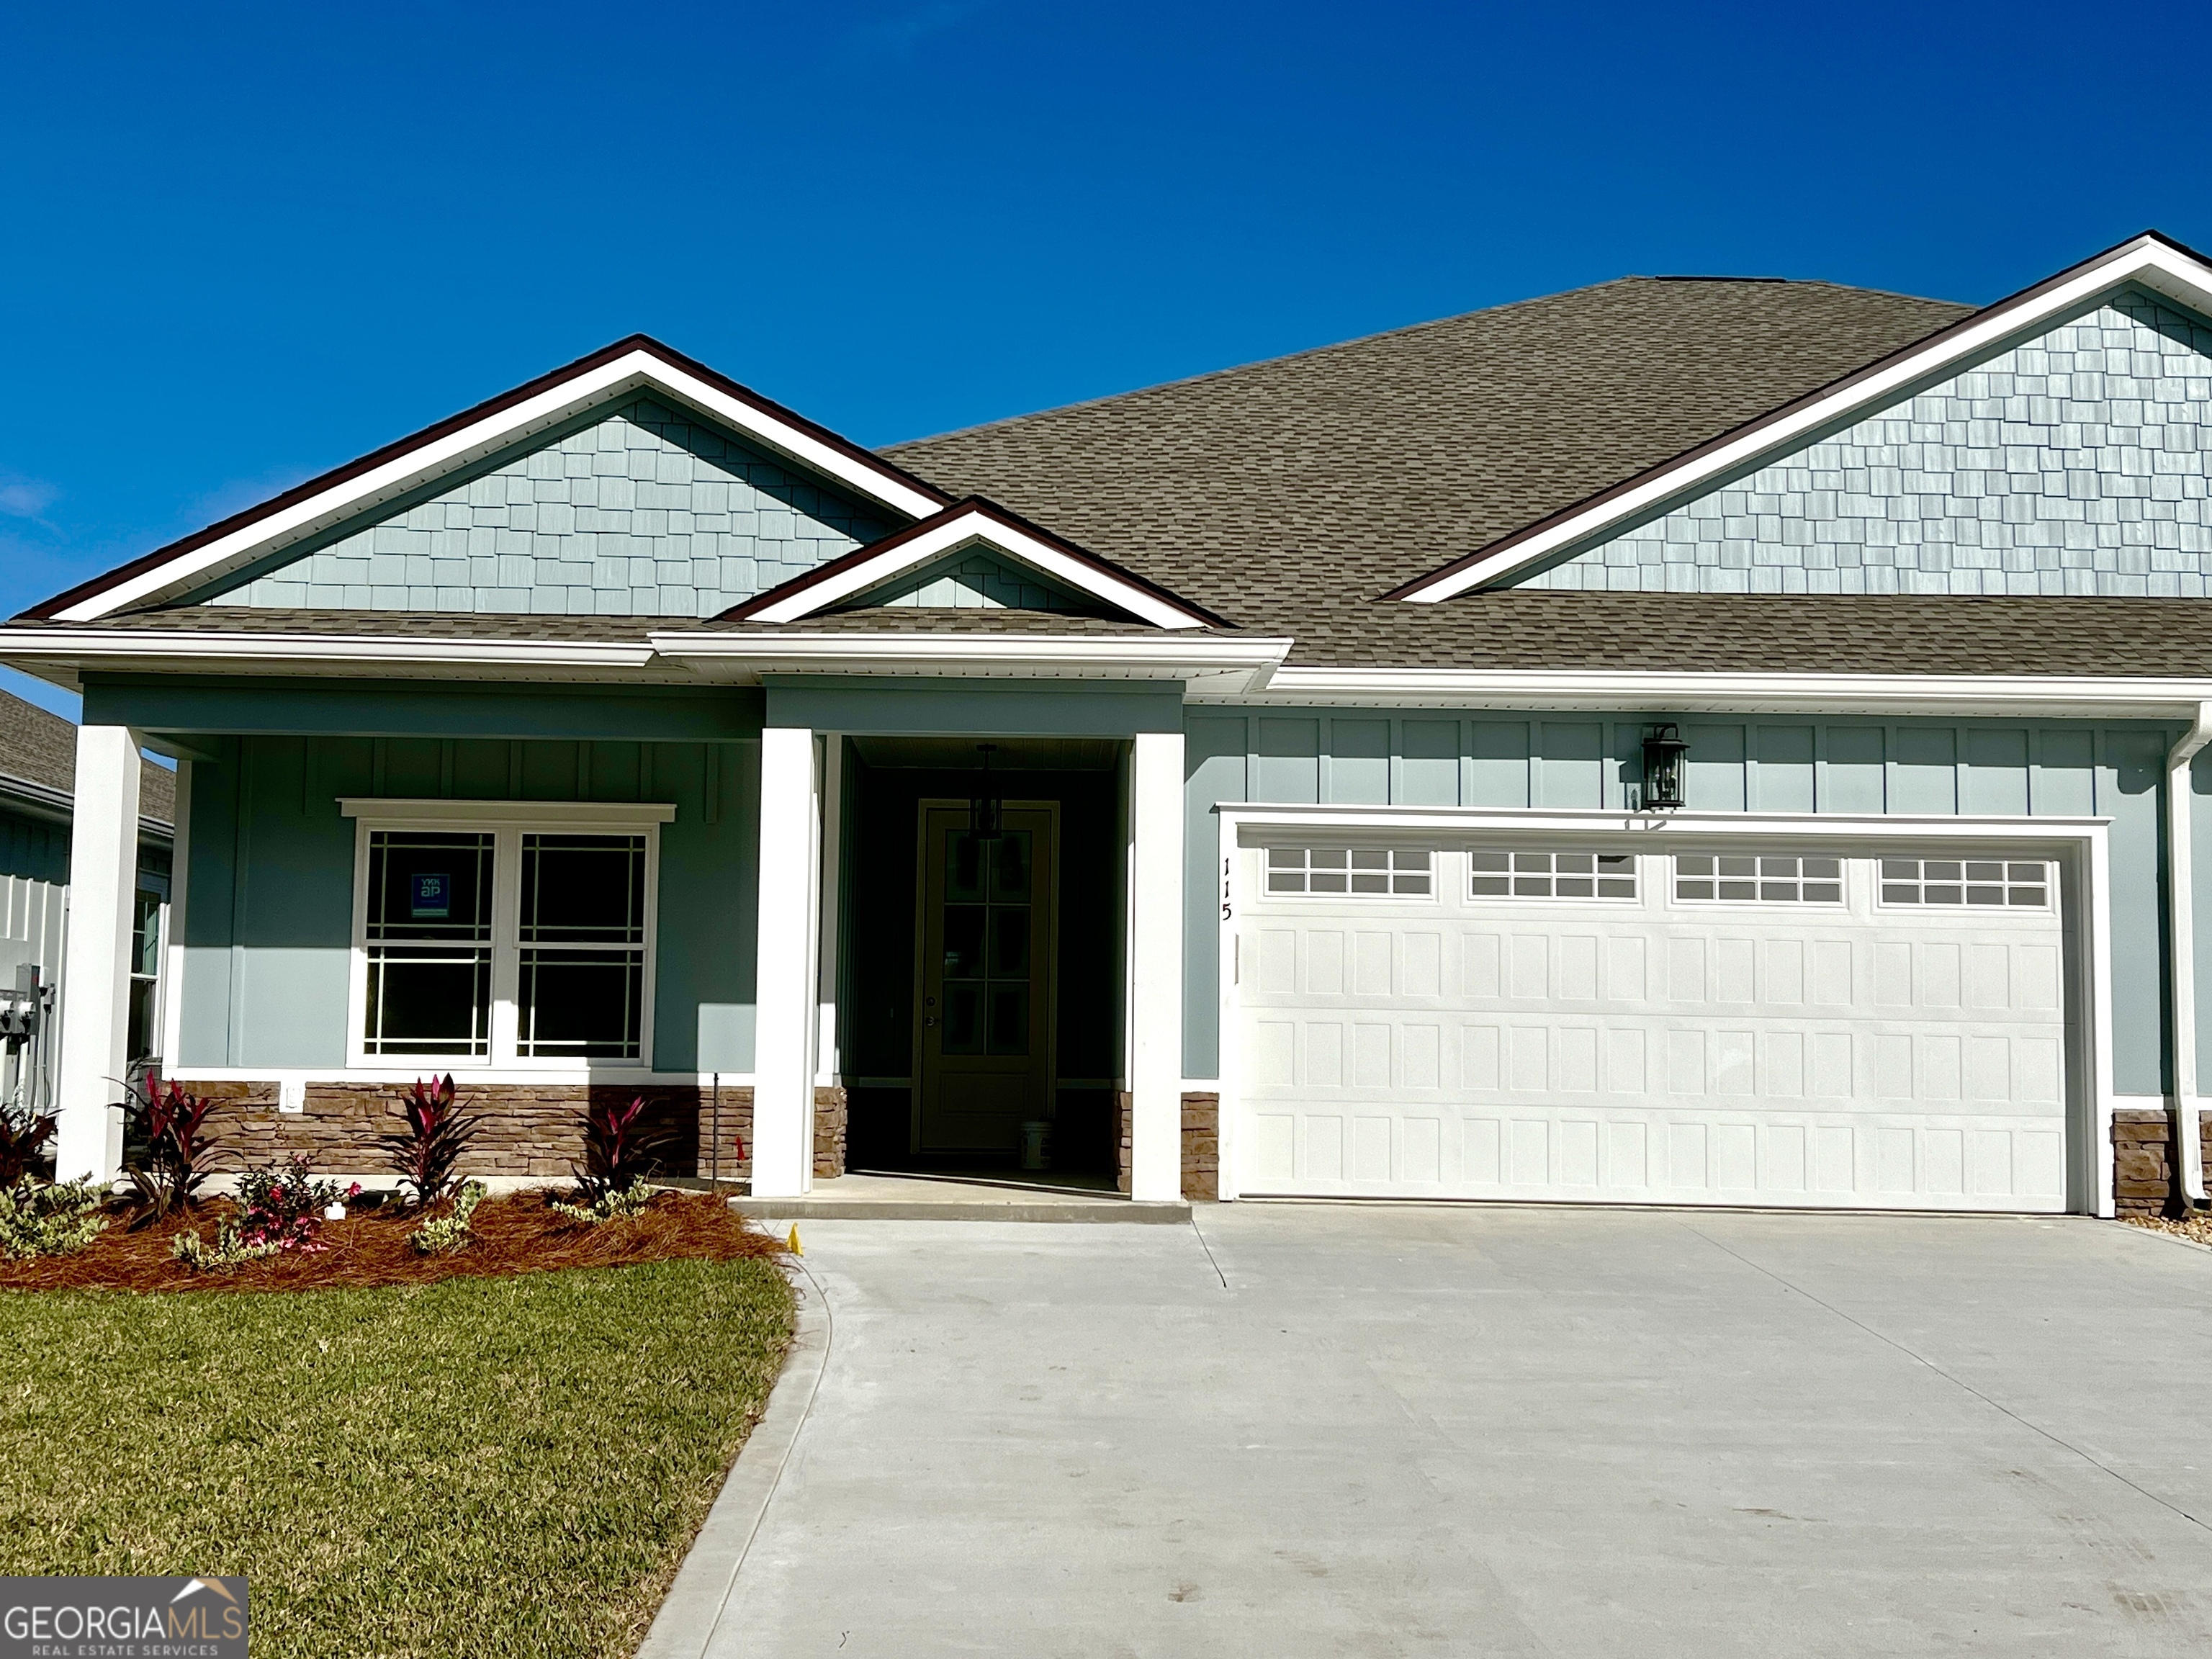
point(1305, 1430)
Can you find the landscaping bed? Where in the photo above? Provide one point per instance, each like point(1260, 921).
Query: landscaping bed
point(521, 1233)
point(2197, 1229)
point(495, 1465)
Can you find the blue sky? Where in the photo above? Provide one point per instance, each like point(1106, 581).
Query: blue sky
point(243, 245)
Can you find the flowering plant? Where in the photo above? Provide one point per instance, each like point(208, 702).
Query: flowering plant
point(179, 1156)
point(282, 1206)
point(423, 1153)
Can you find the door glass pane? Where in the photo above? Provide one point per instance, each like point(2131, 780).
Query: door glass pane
point(1009, 1019)
point(1009, 867)
point(963, 1020)
point(963, 866)
point(1010, 941)
point(964, 941)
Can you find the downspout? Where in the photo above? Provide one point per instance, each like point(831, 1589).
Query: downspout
point(2181, 934)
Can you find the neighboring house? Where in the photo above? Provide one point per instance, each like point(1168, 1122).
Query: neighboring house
point(629, 731)
point(37, 765)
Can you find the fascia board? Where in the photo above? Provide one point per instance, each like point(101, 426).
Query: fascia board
point(86, 647)
point(1692, 821)
point(439, 456)
point(1970, 694)
point(978, 529)
point(1038, 656)
point(2152, 264)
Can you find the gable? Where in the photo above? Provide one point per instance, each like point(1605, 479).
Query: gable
point(2077, 463)
point(641, 511)
point(974, 578)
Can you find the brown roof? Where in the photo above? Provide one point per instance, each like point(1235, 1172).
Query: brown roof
point(41, 748)
point(1359, 466)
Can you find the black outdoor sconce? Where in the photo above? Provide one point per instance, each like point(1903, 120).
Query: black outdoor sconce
point(983, 807)
point(1662, 766)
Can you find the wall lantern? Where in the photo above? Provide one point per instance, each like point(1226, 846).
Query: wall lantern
point(1662, 766)
point(983, 807)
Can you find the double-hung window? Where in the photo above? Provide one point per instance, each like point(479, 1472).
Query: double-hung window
point(522, 940)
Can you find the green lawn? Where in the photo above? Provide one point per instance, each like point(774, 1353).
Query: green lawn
point(480, 1465)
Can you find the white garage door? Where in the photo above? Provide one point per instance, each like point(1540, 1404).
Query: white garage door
point(1573, 1021)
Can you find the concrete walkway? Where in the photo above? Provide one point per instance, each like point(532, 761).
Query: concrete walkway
point(1315, 1429)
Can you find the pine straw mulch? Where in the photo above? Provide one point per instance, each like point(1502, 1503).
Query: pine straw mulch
point(2198, 1228)
point(517, 1234)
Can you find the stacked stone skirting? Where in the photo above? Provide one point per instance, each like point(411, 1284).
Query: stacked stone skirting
point(1201, 1146)
point(529, 1130)
point(2142, 1161)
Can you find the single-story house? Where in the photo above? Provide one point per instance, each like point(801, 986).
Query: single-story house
point(1681, 741)
point(38, 777)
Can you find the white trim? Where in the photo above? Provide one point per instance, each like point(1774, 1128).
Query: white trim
point(632, 371)
point(2181, 946)
point(1153, 1063)
point(2144, 260)
point(389, 810)
point(1239, 665)
point(506, 823)
point(1997, 696)
point(488, 1076)
point(788, 855)
point(2087, 839)
point(974, 527)
point(173, 941)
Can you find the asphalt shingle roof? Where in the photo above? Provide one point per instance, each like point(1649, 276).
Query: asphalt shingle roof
point(41, 748)
point(1356, 467)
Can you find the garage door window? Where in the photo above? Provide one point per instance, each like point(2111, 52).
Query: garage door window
point(1766, 878)
point(1967, 881)
point(1551, 875)
point(1357, 872)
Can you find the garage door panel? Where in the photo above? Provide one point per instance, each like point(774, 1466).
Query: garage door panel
point(1789, 1053)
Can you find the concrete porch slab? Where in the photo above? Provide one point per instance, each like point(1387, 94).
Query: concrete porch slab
point(930, 1198)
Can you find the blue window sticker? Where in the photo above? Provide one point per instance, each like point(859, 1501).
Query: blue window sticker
point(433, 898)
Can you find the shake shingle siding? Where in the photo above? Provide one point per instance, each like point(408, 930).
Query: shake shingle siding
point(2079, 463)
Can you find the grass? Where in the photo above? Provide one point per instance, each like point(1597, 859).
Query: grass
point(486, 1465)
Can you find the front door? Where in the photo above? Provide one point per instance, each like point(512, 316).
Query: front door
point(984, 1010)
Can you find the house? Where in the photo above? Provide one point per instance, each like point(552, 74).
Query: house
point(1269, 780)
point(37, 759)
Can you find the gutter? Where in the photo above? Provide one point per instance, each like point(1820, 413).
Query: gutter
point(2181, 936)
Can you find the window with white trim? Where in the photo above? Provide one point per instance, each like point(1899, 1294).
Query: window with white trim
point(2010, 883)
point(505, 944)
point(1759, 878)
point(1495, 874)
point(1355, 872)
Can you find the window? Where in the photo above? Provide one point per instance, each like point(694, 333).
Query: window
point(1551, 875)
point(1764, 879)
point(504, 943)
point(430, 945)
point(1966, 881)
point(1375, 871)
point(144, 1029)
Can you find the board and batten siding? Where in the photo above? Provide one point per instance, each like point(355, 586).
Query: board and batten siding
point(1839, 764)
point(269, 914)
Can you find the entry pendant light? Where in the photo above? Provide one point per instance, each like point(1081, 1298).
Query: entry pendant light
point(983, 807)
point(1663, 752)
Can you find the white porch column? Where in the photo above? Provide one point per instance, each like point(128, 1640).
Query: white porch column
point(1155, 990)
point(95, 992)
point(784, 1021)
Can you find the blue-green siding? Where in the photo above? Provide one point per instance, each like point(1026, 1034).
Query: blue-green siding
point(1427, 758)
point(269, 922)
point(637, 511)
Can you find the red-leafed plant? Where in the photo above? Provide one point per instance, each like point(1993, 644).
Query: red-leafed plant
point(423, 1154)
point(179, 1154)
point(22, 1146)
point(619, 1151)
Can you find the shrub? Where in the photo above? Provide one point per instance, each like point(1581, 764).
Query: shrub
point(284, 1203)
point(179, 1157)
point(450, 1232)
point(423, 1154)
point(615, 1204)
point(231, 1247)
point(22, 1145)
point(49, 1217)
point(618, 1151)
